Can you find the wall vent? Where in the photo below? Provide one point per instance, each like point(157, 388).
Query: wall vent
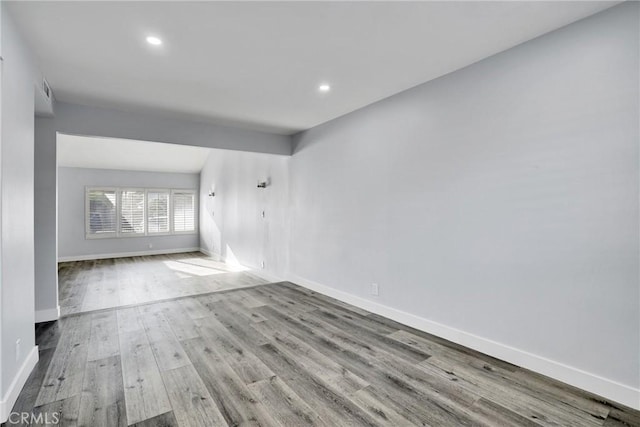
point(46, 89)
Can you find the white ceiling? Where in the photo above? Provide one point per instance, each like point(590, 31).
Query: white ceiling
point(125, 154)
point(258, 64)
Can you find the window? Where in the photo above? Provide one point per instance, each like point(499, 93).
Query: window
point(158, 211)
point(125, 212)
point(101, 208)
point(184, 211)
point(132, 212)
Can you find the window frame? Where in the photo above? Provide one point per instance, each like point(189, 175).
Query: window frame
point(119, 210)
point(195, 211)
point(118, 191)
point(87, 214)
point(169, 211)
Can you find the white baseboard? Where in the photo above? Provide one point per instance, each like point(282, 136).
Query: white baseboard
point(608, 389)
point(10, 397)
point(206, 252)
point(126, 254)
point(265, 275)
point(213, 255)
point(47, 315)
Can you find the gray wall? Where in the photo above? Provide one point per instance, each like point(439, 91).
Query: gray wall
point(71, 210)
point(19, 86)
point(46, 218)
point(105, 122)
point(231, 223)
point(500, 200)
point(96, 121)
point(511, 184)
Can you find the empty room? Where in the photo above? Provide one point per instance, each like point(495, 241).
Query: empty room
point(320, 213)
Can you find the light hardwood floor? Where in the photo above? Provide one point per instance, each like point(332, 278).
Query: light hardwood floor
point(107, 283)
point(280, 355)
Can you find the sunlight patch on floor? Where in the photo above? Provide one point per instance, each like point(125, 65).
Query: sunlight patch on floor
point(191, 269)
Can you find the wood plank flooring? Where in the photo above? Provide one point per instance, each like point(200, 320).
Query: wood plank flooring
point(281, 355)
point(109, 283)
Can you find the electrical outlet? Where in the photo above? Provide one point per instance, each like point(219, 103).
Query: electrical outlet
point(18, 350)
point(150, 245)
point(375, 289)
point(262, 214)
point(262, 264)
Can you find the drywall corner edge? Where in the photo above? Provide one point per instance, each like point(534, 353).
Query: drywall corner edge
point(9, 399)
point(608, 389)
point(47, 315)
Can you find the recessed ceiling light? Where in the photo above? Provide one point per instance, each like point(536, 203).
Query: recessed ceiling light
point(324, 87)
point(154, 40)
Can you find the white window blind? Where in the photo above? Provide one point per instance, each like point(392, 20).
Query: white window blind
point(101, 211)
point(157, 211)
point(132, 212)
point(184, 214)
point(122, 212)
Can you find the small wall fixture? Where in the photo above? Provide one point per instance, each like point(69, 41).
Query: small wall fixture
point(262, 184)
point(211, 194)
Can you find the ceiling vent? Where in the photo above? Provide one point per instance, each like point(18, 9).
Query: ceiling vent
point(46, 89)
